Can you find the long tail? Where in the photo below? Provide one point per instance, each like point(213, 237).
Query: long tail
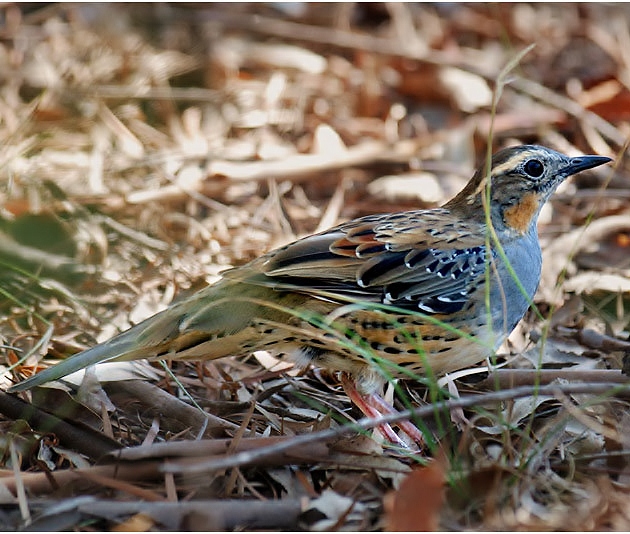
point(104, 352)
point(210, 324)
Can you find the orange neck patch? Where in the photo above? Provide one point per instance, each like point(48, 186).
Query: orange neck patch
point(519, 216)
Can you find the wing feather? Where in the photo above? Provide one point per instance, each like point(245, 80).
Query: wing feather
point(416, 260)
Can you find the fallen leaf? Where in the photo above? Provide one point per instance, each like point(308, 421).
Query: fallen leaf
point(416, 505)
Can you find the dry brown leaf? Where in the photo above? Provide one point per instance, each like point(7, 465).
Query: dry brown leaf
point(417, 503)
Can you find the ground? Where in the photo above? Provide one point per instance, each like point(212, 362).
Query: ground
point(148, 147)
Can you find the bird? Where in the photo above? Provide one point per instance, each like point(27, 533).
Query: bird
point(378, 297)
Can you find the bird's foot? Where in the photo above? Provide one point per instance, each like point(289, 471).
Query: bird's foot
point(373, 406)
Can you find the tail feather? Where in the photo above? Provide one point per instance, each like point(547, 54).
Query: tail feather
point(104, 352)
point(208, 325)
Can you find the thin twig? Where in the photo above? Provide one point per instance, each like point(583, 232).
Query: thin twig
point(85, 440)
point(250, 457)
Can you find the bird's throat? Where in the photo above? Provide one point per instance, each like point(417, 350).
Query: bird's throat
point(519, 217)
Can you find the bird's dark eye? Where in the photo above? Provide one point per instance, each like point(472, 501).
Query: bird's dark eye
point(534, 168)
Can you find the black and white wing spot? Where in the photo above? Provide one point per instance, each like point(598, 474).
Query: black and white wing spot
point(429, 280)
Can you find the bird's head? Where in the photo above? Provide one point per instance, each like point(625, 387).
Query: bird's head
point(521, 179)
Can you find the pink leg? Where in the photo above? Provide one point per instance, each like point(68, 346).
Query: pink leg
point(373, 406)
point(406, 426)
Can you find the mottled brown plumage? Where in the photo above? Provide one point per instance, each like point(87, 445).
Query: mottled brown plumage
point(328, 299)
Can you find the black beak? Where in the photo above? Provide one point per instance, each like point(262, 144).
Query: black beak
point(582, 163)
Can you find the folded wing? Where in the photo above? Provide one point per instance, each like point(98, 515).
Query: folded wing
point(393, 260)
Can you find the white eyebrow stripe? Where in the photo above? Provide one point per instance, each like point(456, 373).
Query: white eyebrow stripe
point(510, 164)
point(497, 170)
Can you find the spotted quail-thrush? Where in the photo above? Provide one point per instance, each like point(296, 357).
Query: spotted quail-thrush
point(330, 299)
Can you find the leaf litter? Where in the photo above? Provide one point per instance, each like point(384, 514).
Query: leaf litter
point(148, 147)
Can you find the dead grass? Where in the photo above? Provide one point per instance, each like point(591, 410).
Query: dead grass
point(148, 147)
